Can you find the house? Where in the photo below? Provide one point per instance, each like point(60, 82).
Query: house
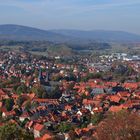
point(39, 130)
point(114, 98)
point(3, 95)
point(29, 125)
point(97, 91)
point(44, 102)
point(24, 116)
point(137, 94)
point(131, 86)
point(7, 114)
point(115, 108)
point(1, 104)
point(68, 107)
point(124, 94)
point(47, 136)
point(88, 104)
point(97, 109)
point(111, 84)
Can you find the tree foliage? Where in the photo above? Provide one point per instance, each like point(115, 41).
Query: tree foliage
point(64, 127)
point(96, 118)
point(120, 126)
point(20, 100)
point(38, 91)
point(9, 104)
point(11, 131)
point(21, 89)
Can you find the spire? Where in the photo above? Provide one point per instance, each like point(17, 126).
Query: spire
point(40, 75)
point(47, 76)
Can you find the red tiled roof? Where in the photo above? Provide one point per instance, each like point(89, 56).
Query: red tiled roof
point(2, 92)
point(68, 107)
point(123, 94)
point(112, 84)
point(115, 98)
point(53, 101)
point(10, 113)
point(131, 85)
point(86, 101)
point(46, 137)
point(115, 108)
point(32, 95)
point(30, 123)
point(1, 104)
point(38, 127)
point(15, 96)
point(26, 115)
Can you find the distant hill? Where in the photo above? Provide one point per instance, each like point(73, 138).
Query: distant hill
point(23, 33)
point(100, 35)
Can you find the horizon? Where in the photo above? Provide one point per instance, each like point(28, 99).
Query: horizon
point(108, 15)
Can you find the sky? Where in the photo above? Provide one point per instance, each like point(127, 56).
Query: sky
point(119, 15)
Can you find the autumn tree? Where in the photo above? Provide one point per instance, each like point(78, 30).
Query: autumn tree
point(120, 126)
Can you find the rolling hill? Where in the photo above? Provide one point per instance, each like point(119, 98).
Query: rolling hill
point(101, 35)
point(23, 33)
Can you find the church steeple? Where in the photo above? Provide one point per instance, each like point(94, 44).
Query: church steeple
point(40, 75)
point(47, 76)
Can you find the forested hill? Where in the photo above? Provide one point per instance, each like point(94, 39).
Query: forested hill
point(24, 33)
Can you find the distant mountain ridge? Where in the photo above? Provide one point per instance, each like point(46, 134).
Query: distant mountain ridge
point(101, 35)
point(24, 33)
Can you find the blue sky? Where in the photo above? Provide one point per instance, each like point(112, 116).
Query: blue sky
point(73, 14)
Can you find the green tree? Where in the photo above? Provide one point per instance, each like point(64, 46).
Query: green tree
point(70, 86)
point(96, 118)
point(9, 104)
point(38, 91)
point(64, 127)
point(18, 112)
point(88, 88)
point(14, 89)
point(44, 95)
point(36, 73)
point(28, 105)
point(15, 79)
point(20, 100)
point(11, 131)
point(21, 89)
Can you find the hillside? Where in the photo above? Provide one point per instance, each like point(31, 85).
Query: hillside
point(101, 35)
point(23, 33)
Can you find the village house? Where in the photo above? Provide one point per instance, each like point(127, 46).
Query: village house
point(39, 130)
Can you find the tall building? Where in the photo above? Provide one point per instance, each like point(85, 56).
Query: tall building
point(40, 77)
point(47, 76)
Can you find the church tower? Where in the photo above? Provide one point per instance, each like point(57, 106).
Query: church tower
point(47, 76)
point(40, 77)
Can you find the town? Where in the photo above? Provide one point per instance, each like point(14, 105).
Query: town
point(68, 98)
